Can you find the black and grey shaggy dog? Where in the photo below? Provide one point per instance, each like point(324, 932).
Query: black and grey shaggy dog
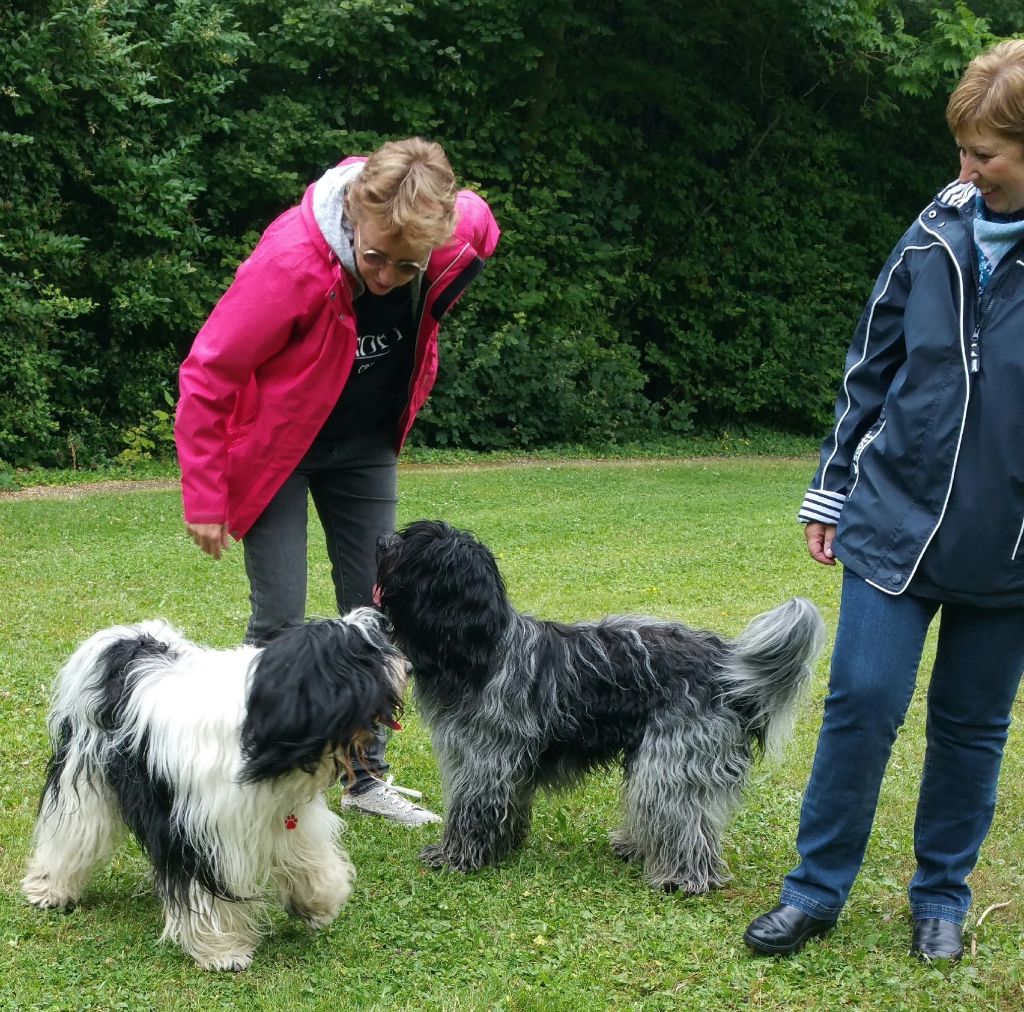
point(515, 703)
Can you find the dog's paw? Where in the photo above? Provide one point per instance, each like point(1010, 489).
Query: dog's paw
point(688, 886)
point(319, 905)
point(314, 919)
point(228, 961)
point(318, 922)
point(623, 846)
point(433, 856)
point(41, 893)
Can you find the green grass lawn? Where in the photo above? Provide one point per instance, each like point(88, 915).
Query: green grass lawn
point(562, 924)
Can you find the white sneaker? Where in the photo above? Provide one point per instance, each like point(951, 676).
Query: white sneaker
point(385, 799)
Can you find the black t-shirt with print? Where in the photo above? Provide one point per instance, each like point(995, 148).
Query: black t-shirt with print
point(378, 385)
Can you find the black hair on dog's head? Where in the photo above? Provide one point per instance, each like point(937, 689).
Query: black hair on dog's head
point(445, 597)
point(315, 688)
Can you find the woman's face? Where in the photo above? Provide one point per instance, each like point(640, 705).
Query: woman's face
point(385, 260)
point(995, 164)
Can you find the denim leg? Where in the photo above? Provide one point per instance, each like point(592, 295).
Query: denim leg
point(978, 665)
point(275, 560)
point(356, 498)
point(874, 668)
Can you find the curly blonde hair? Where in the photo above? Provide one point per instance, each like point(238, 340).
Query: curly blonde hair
point(407, 187)
point(991, 92)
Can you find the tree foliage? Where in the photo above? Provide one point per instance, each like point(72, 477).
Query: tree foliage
point(694, 198)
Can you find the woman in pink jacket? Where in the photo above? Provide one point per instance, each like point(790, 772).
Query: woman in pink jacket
point(307, 377)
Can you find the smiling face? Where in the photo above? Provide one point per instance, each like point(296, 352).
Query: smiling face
point(995, 164)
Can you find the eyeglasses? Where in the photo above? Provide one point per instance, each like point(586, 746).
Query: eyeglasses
point(376, 260)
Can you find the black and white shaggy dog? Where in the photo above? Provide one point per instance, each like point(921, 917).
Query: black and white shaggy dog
point(216, 760)
point(515, 703)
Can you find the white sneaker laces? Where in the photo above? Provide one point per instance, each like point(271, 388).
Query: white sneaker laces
point(385, 798)
point(390, 785)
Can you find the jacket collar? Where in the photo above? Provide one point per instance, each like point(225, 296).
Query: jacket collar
point(956, 195)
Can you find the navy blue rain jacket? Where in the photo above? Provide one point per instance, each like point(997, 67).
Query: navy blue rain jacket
point(923, 472)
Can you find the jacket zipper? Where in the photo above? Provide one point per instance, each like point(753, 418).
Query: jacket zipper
point(424, 299)
point(981, 310)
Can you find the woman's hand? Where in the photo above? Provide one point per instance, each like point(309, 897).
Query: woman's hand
point(211, 538)
point(819, 542)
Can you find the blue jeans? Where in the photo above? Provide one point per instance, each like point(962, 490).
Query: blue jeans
point(978, 664)
point(353, 485)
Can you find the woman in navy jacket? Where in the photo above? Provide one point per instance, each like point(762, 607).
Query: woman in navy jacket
point(920, 494)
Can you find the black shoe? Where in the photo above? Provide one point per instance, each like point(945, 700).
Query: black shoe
point(937, 939)
point(784, 930)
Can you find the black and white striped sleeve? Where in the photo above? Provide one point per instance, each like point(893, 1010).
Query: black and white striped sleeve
point(821, 506)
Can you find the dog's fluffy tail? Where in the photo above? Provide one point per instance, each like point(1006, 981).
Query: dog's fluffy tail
point(91, 687)
point(769, 666)
point(90, 693)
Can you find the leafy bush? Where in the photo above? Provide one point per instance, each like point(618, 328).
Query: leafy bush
point(107, 116)
point(692, 197)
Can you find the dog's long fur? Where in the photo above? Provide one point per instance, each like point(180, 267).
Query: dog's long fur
point(216, 761)
point(515, 704)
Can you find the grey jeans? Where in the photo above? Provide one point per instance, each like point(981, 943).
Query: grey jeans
point(353, 485)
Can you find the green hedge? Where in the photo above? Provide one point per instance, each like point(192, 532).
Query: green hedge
point(695, 198)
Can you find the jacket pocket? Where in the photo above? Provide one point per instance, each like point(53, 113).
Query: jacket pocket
point(242, 432)
point(243, 417)
point(865, 441)
point(1018, 548)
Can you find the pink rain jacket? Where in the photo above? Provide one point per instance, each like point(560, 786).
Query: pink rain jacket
point(271, 361)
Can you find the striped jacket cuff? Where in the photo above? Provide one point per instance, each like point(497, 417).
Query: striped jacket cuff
point(821, 506)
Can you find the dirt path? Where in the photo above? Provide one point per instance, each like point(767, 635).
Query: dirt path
point(89, 488)
point(165, 484)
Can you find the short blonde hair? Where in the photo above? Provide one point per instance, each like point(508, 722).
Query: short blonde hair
point(991, 93)
point(407, 187)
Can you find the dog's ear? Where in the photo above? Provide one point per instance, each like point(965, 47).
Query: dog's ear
point(405, 558)
point(472, 658)
point(445, 595)
point(476, 596)
point(314, 688)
